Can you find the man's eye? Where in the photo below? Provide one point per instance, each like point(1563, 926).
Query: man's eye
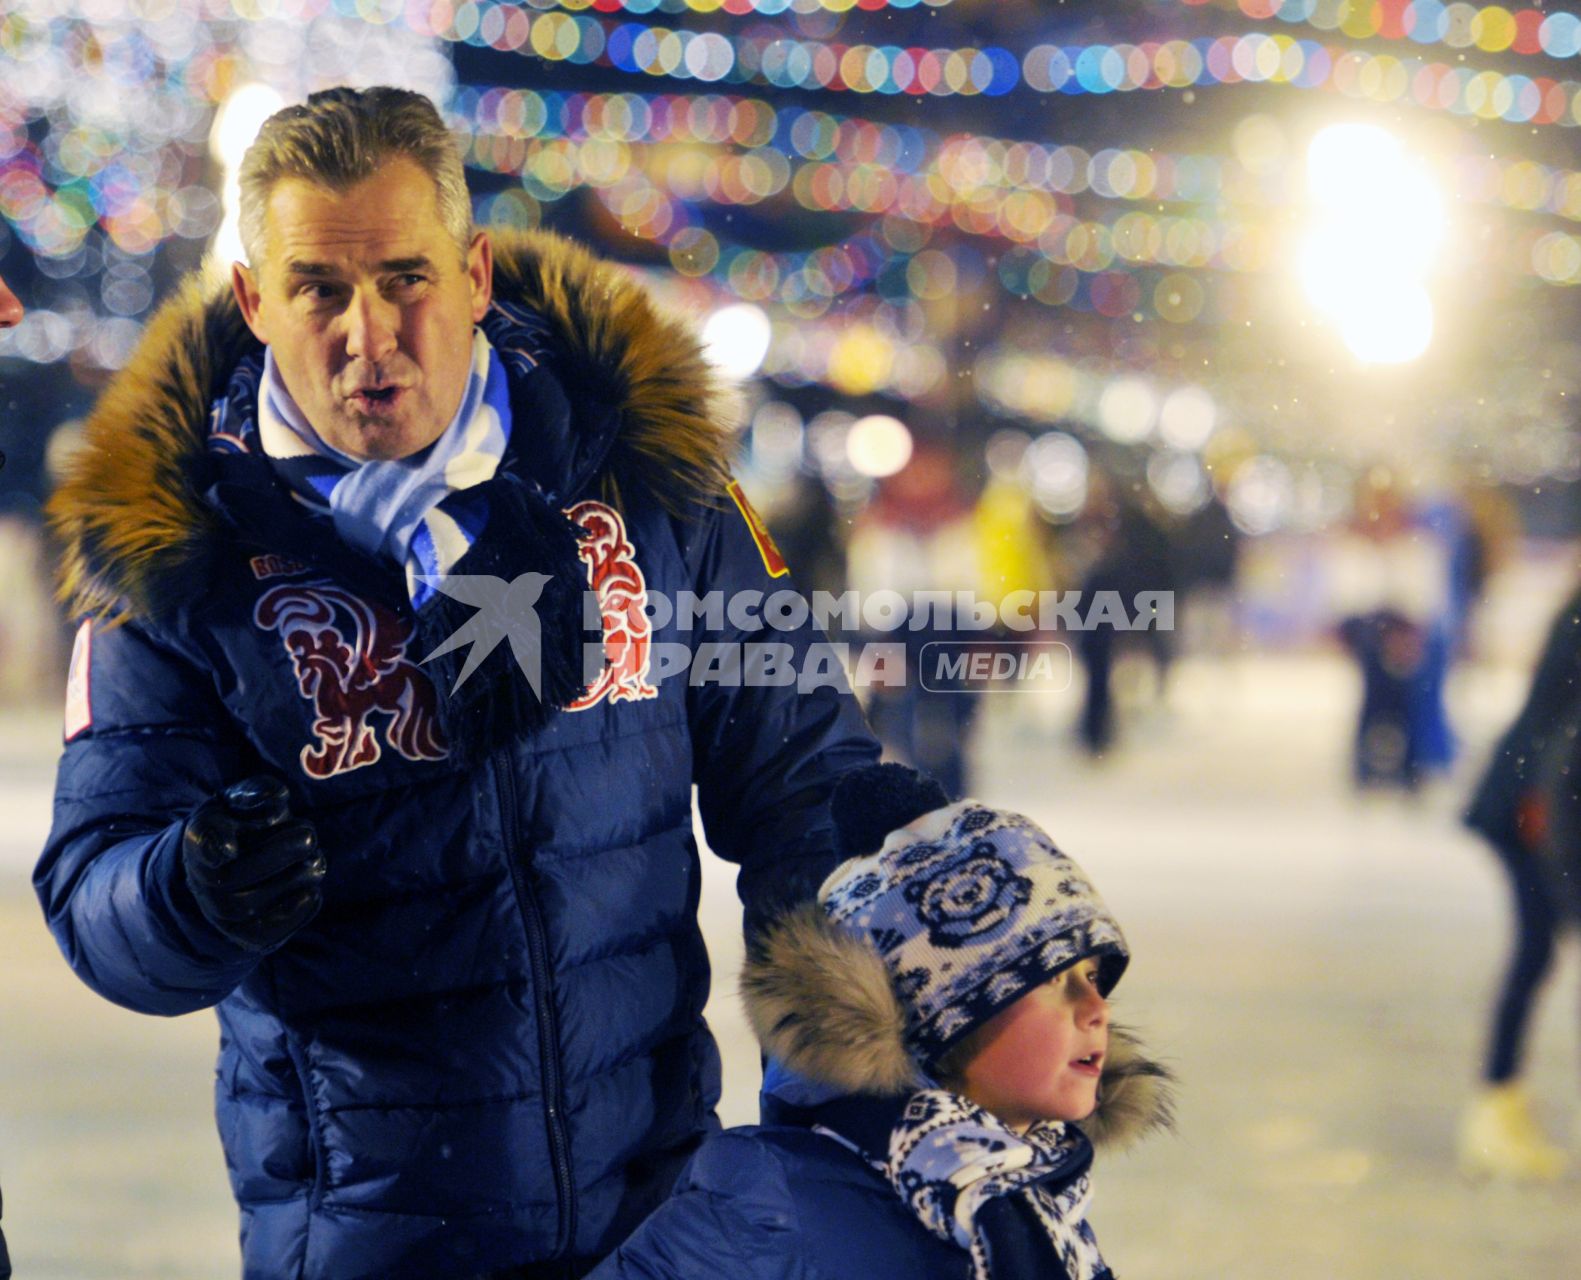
point(410, 280)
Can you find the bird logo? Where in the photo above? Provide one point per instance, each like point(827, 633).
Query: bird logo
point(505, 612)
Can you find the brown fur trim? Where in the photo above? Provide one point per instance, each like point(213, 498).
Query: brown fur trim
point(821, 1002)
point(125, 510)
point(675, 419)
point(1135, 1094)
point(127, 515)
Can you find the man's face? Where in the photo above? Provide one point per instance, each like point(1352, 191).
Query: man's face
point(10, 308)
point(368, 308)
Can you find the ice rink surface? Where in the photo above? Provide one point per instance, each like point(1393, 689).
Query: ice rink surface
point(1316, 966)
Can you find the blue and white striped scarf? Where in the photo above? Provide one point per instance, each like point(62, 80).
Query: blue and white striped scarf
point(414, 511)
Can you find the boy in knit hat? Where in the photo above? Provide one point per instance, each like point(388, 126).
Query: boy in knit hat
point(941, 1063)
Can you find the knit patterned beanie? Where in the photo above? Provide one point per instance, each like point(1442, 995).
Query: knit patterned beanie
point(969, 907)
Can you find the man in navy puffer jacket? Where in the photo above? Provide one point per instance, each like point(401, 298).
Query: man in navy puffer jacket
point(446, 908)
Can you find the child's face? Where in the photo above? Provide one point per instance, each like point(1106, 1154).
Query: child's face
point(1040, 1058)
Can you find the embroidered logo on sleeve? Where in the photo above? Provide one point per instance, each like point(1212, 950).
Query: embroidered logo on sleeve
point(773, 561)
point(79, 700)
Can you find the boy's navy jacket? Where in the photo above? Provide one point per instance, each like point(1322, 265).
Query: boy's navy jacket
point(488, 1047)
point(781, 1201)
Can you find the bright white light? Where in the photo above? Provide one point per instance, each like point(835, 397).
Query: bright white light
point(1394, 327)
point(1187, 418)
point(878, 446)
point(736, 338)
point(1126, 410)
point(1057, 466)
point(1346, 163)
point(238, 121)
point(1379, 221)
point(235, 126)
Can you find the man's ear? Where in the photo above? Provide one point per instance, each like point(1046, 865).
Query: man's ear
point(480, 270)
point(249, 298)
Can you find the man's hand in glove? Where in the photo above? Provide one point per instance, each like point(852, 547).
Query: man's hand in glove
point(256, 872)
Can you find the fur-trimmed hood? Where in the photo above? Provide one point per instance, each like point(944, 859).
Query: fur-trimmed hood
point(821, 1002)
point(130, 512)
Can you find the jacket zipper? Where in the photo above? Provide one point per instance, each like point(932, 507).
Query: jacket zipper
point(548, 1021)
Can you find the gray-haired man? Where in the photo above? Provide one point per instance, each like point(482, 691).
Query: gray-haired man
point(449, 925)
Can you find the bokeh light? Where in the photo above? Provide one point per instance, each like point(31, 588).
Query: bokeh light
point(878, 445)
point(736, 338)
point(1378, 222)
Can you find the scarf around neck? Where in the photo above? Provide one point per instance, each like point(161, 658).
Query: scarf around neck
point(1017, 1203)
point(413, 511)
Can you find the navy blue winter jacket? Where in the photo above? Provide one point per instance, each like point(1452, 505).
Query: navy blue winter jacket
point(785, 1201)
point(487, 1049)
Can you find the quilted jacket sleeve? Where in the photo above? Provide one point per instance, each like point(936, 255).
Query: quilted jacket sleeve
point(156, 743)
point(770, 743)
point(730, 1215)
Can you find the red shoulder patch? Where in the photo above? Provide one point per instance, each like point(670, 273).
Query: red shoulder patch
point(773, 561)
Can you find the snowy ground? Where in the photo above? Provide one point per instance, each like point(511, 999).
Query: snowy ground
point(1316, 967)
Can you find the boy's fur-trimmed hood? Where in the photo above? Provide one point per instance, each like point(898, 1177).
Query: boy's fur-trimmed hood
point(821, 1002)
point(130, 513)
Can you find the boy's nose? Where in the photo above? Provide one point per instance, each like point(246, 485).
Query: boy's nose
point(10, 308)
point(1095, 1009)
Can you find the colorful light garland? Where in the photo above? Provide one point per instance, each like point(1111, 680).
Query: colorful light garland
point(1016, 192)
point(737, 8)
point(1049, 264)
point(1489, 28)
point(787, 63)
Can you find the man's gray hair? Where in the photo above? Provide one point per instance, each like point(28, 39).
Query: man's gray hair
point(342, 136)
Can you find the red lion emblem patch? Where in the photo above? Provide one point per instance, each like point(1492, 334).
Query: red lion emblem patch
point(613, 572)
point(352, 674)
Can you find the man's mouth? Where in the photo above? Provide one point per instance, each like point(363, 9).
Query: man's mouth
point(372, 399)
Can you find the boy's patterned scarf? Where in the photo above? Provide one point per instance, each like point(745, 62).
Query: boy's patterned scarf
point(1016, 1202)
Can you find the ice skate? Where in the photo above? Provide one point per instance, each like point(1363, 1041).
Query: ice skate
point(1499, 1138)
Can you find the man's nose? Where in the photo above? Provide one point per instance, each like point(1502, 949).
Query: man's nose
point(372, 324)
point(10, 308)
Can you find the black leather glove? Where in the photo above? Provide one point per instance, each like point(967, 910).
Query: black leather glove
point(255, 871)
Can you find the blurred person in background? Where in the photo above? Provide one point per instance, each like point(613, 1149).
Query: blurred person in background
point(1528, 807)
point(917, 536)
point(1394, 589)
point(10, 316)
point(446, 915)
point(1133, 557)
